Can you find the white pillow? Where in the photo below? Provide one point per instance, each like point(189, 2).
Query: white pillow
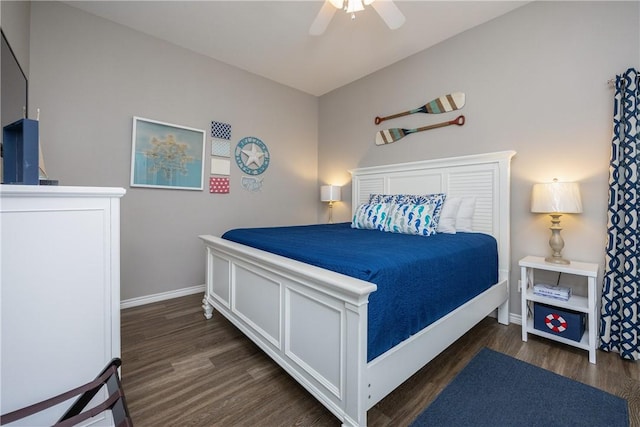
point(464, 218)
point(447, 223)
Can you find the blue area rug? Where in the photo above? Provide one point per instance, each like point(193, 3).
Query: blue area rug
point(497, 390)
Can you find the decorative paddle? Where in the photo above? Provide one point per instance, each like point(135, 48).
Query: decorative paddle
point(392, 135)
point(444, 104)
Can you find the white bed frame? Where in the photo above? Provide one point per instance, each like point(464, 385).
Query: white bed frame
point(313, 322)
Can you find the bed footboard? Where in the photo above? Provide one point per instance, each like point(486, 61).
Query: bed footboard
point(392, 368)
point(311, 321)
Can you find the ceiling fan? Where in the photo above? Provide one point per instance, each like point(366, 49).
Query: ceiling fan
point(387, 10)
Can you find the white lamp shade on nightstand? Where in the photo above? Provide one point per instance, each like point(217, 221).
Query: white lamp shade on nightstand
point(330, 193)
point(556, 197)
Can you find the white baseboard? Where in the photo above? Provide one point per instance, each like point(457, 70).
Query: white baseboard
point(134, 302)
point(515, 318)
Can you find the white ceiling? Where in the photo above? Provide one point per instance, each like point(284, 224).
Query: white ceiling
point(271, 39)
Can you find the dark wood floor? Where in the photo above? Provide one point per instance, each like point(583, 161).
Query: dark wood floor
point(180, 369)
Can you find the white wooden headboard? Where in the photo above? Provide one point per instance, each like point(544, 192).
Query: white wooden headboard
point(484, 176)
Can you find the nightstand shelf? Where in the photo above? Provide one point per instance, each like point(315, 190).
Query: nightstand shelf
point(577, 303)
point(583, 343)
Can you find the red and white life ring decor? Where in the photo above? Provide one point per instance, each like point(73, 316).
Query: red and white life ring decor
point(560, 325)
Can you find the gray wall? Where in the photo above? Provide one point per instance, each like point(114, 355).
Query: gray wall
point(89, 77)
point(536, 82)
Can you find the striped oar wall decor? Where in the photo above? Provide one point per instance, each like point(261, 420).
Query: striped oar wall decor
point(392, 135)
point(444, 104)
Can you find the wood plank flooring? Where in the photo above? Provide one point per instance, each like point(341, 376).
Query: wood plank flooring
point(180, 369)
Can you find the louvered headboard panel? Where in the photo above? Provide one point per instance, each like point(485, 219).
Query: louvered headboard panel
point(484, 176)
point(481, 185)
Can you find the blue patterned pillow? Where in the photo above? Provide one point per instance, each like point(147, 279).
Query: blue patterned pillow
point(371, 216)
point(416, 199)
point(392, 198)
point(419, 219)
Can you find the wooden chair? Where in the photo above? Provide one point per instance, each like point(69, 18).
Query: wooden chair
point(115, 402)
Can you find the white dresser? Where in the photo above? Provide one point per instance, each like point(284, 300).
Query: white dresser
point(59, 291)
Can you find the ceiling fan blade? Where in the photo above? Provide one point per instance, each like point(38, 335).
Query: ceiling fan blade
point(389, 13)
point(322, 19)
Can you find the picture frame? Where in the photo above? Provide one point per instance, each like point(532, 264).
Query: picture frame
point(165, 155)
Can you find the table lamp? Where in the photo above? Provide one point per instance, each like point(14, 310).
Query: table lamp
point(556, 198)
point(330, 193)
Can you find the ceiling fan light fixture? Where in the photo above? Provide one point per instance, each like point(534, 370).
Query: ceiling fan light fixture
point(387, 10)
point(354, 6)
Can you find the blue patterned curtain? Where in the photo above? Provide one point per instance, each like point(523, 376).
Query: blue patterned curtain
point(620, 312)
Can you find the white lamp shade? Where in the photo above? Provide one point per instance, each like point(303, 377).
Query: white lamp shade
point(556, 197)
point(329, 193)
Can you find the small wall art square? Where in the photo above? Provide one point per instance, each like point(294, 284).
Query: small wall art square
point(167, 156)
point(219, 185)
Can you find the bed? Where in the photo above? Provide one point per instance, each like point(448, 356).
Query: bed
point(314, 321)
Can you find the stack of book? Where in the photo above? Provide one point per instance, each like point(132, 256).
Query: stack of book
point(555, 292)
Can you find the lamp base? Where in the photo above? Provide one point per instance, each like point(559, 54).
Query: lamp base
point(557, 260)
point(556, 242)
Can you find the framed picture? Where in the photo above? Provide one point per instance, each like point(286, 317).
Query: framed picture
point(167, 156)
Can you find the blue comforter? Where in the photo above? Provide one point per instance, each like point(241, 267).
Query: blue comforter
point(419, 279)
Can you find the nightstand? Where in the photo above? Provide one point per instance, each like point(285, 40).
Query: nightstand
point(581, 304)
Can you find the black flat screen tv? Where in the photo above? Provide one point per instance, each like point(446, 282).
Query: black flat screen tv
point(13, 86)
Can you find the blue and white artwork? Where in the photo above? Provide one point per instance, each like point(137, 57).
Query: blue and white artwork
point(166, 155)
point(221, 148)
point(220, 130)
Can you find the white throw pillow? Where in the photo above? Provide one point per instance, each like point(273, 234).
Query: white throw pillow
point(464, 218)
point(447, 223)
